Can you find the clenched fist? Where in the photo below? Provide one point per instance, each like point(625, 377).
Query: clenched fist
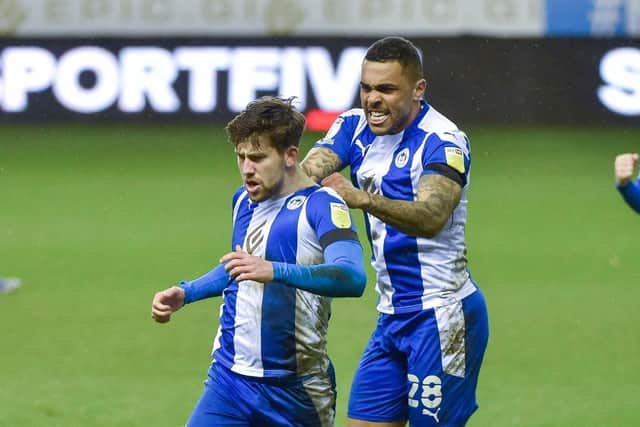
point(625, 166)
point(166, 303)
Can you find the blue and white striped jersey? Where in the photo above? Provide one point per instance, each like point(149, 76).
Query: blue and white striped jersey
point(413, 273)
point(274, 330)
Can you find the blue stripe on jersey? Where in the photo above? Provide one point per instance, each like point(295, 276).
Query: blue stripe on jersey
point(397, 184)
point(279, 301)
point(243, 211)
point(403, 266)
point(278, 327)
point(401, 250)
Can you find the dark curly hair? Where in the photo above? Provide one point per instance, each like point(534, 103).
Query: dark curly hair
point(271, 117)
point(397, 49)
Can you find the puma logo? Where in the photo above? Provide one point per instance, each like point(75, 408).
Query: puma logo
point(254, 238)
point(432, 414)
point(361, 146)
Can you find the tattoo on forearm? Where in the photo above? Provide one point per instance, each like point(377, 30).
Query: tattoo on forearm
point(320, 163)
point(437, 198)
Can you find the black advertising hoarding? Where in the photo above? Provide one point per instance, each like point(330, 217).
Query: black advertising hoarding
point(536, 81)
point(471, 80)
point(114, 79)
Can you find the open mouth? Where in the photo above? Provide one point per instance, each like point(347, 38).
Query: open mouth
point(377, 118)
point(252, 186)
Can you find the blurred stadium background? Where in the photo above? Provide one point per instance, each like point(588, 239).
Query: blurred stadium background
point(115, 178)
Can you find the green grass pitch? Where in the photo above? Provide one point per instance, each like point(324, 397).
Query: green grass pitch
point(95, 219)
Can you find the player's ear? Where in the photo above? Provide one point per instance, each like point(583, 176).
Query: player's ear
point(291, 156)
point(419, 89)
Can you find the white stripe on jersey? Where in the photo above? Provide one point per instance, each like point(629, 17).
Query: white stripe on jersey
point(376, 163)
point(248, 321)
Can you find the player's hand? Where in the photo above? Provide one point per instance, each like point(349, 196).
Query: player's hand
point(165, 303)
point(242, 266)
point(625, 166)
point(353, 197)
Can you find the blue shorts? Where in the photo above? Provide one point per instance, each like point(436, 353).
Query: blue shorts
point(423, 366)
point(230, 399)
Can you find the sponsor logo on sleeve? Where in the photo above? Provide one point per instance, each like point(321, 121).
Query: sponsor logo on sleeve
point(455, 158)
point(340, 215)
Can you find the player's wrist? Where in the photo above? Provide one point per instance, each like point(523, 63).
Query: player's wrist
point(187, 294)
point(622, 182)
point(181, 293)
point(279, 270)
point(365, 201)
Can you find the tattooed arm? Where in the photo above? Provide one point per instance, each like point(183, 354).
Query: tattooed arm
point(437, 197)
point(321, 162)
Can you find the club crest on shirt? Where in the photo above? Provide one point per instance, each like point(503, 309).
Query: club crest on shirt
point(402, 158)
point(454, 158)
point(340, 215)
point(295, 202)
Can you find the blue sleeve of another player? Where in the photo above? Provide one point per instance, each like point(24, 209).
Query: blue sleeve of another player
point(631, 194)
point(341, 275)
point(338, 137)
point(210, 285)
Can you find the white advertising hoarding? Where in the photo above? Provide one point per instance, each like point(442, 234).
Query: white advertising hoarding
point(37, 18)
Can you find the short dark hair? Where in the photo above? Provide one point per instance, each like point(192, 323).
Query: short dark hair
point(269, 116)
point(397, 49)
